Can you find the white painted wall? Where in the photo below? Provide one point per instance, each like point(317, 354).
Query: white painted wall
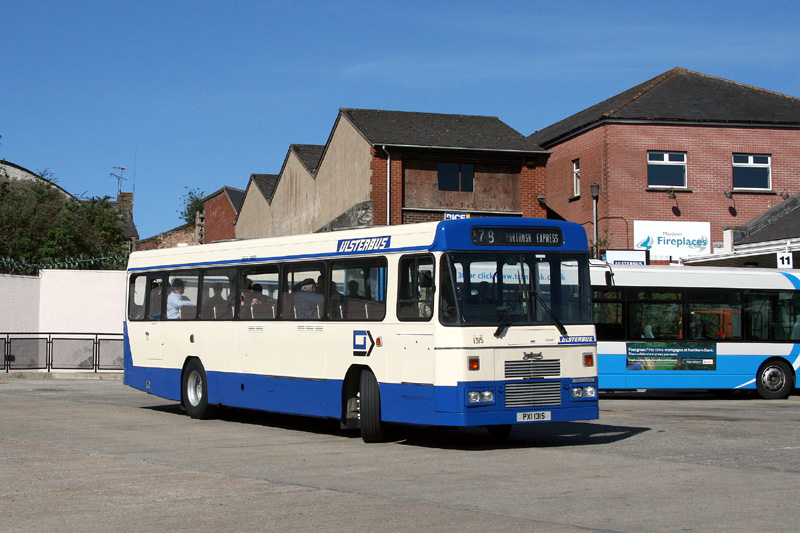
point(63, 301)
point(19, 303)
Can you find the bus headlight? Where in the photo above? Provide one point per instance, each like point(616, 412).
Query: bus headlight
point(475, 397)
point(589, 391)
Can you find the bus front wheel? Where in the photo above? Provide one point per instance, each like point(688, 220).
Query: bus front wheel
point(194, 390)
point(775, 380)
point(372, 429)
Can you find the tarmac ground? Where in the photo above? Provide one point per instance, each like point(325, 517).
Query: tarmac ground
point(90, 454)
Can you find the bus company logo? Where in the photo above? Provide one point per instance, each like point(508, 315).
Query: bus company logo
point(584, 339)
point(363, 245)
point(363, 343)
point(532, 356)
point(647, 244)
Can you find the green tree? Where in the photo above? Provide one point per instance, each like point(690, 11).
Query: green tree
point(192, 202)
point(40, 225)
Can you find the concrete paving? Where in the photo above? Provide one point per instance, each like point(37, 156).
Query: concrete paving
point(92, 454)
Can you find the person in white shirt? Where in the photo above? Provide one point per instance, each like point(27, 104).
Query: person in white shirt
point(176, 299)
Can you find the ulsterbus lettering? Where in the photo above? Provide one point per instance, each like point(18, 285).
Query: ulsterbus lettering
point(363, 245)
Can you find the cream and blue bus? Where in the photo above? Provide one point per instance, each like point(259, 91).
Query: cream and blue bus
point(476, 322)
point(687, 327)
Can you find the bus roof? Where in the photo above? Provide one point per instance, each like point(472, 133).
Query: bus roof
point(427, 236)
point(696, 276)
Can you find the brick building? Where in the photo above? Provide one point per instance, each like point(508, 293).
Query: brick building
point(185, 235)
point(220, 210)
point(682, 147)
point(436, 164)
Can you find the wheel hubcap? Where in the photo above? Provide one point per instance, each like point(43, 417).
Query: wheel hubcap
point(194, 388)
point(773, 379)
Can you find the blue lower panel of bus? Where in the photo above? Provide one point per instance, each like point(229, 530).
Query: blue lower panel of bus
point(447, 406)
point(401, 403)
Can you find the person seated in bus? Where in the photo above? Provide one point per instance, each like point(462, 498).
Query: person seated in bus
point(307, 301)
point(484, 293)
point(176, 299)
point(216, 306)
point(216, 297)
point(352, 289)
point(647, 332)
point(257, 295)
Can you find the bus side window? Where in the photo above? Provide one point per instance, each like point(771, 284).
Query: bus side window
point(714, 314)
point(258, 293)
point(217, 301)
point(656, 315)
point(302, 299)
point(136, 297)
point(415, 288)
point(608, 315)
point(155, 296)
point(758, 317)
point(357, 289)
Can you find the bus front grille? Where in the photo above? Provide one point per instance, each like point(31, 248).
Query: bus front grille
point(533, 394)
point(533, 369)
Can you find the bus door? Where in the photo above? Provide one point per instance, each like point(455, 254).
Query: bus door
point(256, 329)
point(301, 342)
point(145, 307)
point(415, 339)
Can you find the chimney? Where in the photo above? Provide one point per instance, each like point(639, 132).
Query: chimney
point(125, 200)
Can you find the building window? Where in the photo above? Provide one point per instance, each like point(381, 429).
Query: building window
point(751, 171)
point(456, 177)
point(576, 177)
point(666, 169)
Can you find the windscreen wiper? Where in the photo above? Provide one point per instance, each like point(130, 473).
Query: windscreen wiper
point(505, 320)
point(555, 320)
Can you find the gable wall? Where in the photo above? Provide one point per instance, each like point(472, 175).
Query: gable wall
point(616, 155)
point(343, 176)
point(219, 218)
point(295, 203)
point(254, 216)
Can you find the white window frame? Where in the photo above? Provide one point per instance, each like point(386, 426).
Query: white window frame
point(752, 164)
point(576, 177)
point(665, 160)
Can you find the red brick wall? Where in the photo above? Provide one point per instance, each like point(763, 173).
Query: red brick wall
point(533, 185)
point(170, 239)
point(378, 184)
point(219, 219)
point(509, 184)
point(615, 157)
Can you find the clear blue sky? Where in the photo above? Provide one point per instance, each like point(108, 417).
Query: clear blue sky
point(201, 94)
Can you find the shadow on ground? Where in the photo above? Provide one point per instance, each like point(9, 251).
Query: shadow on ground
point(549, 435)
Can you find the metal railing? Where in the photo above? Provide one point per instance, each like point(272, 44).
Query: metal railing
point(90, 352)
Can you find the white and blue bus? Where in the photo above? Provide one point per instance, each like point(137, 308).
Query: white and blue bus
point(476, 322)
point(686, 327)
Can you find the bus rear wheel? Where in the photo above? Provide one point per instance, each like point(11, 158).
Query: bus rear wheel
point(194, 390)
point(775, 380)
point(372, 429)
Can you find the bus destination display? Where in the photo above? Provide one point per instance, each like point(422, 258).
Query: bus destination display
point(517, 236)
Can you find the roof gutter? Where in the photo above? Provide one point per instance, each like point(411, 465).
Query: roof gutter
point(463, 149)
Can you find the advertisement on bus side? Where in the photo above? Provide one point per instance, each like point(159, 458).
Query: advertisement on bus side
point(670, 356)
